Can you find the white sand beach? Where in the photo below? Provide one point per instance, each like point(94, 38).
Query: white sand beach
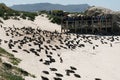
point(94, 58)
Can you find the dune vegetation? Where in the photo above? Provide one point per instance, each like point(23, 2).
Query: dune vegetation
point(8, 70)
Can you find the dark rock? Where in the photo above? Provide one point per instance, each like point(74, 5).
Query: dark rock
point(77, 75)
point(57, 78)
point(45, 72)
point(59, 75)
point(68, 72)
point(73, 68)
point(15, 51)
point(98, 79)
point(53, 69)
point(44, 78)
point(26, 50)
point(46, 62)
point(41, 60)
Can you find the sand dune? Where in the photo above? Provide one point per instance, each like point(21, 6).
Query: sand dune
point(40, 21)
point(61, 56)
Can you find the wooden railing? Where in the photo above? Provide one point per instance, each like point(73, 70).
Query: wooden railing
point(87, 24)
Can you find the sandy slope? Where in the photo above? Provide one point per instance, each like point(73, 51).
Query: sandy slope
point(40, 21)
point(103, 62)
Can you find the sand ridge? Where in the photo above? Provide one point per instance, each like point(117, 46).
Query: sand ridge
point(55, 56)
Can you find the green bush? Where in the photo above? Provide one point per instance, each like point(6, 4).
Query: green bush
point(3, 50)
point(6, 17)
point(11, 76)
point(15, 18)
point(57, 12)
point(1, 13)
point(6, 13)
point(13, 60)
point(17, 13)
point(56, 19)
point(23, 17)
point(23, 72)
point(7, 66)
point(9, 71)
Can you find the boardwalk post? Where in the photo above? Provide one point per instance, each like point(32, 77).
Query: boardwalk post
point(112, 24)
point(75, 26)
point(98, 20)
point(92, 25)
point(100, 23)
point(81, 24)
point(106, 23)
point(61, 25)
point(67, 26)
point(86, 25)
point(61, 28)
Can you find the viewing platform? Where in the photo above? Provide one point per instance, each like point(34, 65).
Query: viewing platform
point(87, 24)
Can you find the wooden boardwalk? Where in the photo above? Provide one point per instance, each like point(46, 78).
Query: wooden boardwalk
point(87, 24)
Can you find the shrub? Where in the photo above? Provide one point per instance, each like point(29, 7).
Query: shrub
point(7, 66)
point(25, 73)
point(11, 76)
point(56, 20)
point(13, 60)
point(6, 17)
point(23, 17)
